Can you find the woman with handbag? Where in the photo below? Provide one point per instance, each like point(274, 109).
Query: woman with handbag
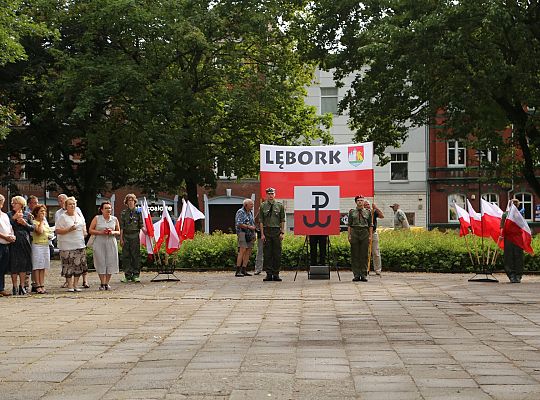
point(105, 227)
point(245, 231)
point(41, 255)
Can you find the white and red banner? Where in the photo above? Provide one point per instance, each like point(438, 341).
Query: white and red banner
point(464, 220)
point(185, 225)
point(349, 166)
point(491, 215)
point(316, 210)
point(147, 218)
point(517, 230)
point(167, 233)
point(476, 221)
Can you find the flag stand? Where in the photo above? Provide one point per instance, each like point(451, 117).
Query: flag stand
point(304, 258)
point(165, 269)
point(484, 268)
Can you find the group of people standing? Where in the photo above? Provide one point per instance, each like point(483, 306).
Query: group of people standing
point(25, 237)
point(24, 245)
point(362, 230)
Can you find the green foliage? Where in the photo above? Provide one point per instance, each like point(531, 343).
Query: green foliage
point(402, 251)
point(477, 61)
point(157, 93)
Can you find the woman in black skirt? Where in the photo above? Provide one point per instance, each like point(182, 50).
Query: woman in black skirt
point(20, 253)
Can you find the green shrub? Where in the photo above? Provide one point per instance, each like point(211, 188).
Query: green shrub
point(417, 250)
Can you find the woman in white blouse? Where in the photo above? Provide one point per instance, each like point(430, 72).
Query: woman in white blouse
point(105, 228)
point(71, 231)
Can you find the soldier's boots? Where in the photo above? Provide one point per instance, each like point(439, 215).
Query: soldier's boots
point(268, 278)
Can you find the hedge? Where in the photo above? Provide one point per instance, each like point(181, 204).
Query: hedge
point(416, 250)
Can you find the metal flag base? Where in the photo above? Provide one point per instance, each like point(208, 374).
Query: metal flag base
point(484, 275)
point(171, 277)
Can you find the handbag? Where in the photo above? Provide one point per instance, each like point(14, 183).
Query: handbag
point(90, 243)
point(249, 235)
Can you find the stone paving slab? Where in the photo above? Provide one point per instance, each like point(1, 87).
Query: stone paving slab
point(214, 336)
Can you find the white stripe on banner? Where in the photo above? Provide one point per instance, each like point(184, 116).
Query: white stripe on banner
point(320, 197)
point(343, 157)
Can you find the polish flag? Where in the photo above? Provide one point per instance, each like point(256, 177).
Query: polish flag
point(517, 231)
point(185, 225)
point(464, 220)
point(147, 218)
point(146, 240)
point(167, 233)
point(476, 222)
point(491, 217)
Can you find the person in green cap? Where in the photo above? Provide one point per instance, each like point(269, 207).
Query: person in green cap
point(272, 217)
point(360, 234)
point(131, 222)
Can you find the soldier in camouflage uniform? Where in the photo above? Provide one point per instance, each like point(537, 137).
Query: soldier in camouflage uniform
point(360, 234)
point(272, 217)
point(131, 222)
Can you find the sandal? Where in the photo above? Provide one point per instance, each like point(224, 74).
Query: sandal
point(64, 285)
point(86, 285)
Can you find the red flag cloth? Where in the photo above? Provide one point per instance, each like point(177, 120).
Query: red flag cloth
point(517, 230)
point(145, 239)
point(491, 218)
point(476, 222)
point(464, 220)
point(168, 232)
point(185, 225)
point(147, 218)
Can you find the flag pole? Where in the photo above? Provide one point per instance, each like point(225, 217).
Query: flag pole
point(469, 250)
point(371, 238)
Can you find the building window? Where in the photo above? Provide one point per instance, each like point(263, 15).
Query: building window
point(489, 156)
point(525, 203)
point(329, 100)
point(454, 199)
point(456, 153)
point(492, 198)
point(399, 167)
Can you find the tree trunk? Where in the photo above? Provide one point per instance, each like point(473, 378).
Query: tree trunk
point(87, 203)
point(191, 189)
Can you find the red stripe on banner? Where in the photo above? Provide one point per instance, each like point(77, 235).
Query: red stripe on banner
point(301, 228)
point(351, 183)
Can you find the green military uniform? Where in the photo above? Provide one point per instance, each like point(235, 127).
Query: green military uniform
point(513, 257)
point(131, 222)
point(359, 222)
point(272, 214)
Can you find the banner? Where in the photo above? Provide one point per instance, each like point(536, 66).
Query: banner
point(349, 166)
point(316, 210)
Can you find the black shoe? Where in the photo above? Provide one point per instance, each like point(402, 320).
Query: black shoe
point(276, 278)
point(34, 288)
point(22, 291)
point(268, 278)
point(14, 291)
point(238, 272)
point(363, 279)
point(356, 279)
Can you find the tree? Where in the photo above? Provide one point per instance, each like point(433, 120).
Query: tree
point(476, 61)
point(157, 93)
point(14, 24)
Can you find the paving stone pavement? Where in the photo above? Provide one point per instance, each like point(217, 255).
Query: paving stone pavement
point(214, 336)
